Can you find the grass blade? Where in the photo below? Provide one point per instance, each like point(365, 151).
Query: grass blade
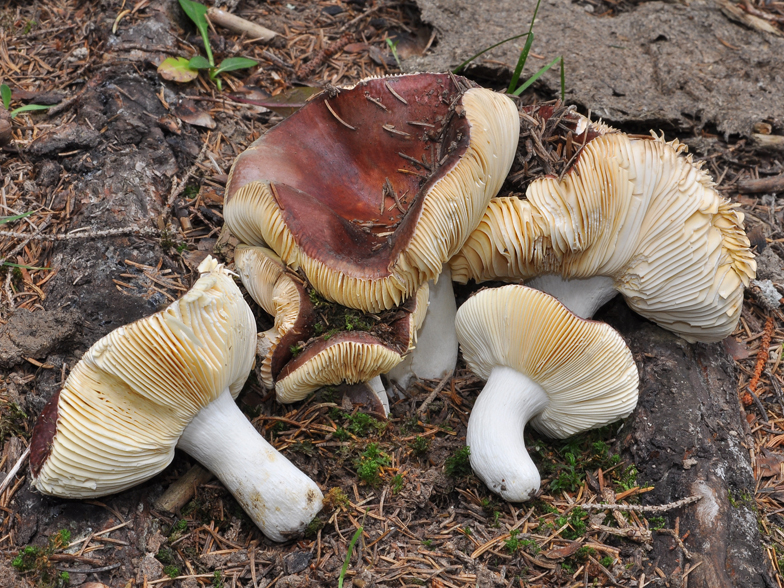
point(524, 55)
point(28, 108)
point(6, 94)
point(520, 63)
point(8, 219)
point(27, 267)
point(351, 545)
point(470, 59)
point(536, 76)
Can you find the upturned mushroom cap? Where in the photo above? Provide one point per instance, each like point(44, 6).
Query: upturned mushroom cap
point(167, 380)
point(634, 210)
point(283, 296)
point(543, 365)
point(584, 366)
point(296, 360)
point(372, 190)
point(121, 412)
point(351, 356)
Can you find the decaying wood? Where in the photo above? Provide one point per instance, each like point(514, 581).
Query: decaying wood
point(687, 437)
point(758, 186)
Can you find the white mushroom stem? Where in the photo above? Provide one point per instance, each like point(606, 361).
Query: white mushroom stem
point(435, 354)
point(495, 433)
point(377, 386)
point(584, 297)
point(279, 498)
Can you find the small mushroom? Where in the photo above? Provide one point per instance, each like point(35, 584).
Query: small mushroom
point(371, 190)
point(631, 215)
point(543, 365)
point(314, 343)
point(168, 381)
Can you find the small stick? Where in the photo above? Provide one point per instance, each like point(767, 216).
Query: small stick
point(12, 474)
point(772, 184)
point(377, 103)
point(641, 508)
point(145, 232)
point(434, 393)
point(178, 188)
point(91, 570)
point(240, 25)
point(395, 94)
point(674, 535)
point(340, 120)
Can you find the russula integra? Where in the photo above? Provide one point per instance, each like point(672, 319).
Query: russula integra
point(371, 189)
point(630, 215)
point(315, 343)
point(435, 353)
point(166, 381)
point(543, 365)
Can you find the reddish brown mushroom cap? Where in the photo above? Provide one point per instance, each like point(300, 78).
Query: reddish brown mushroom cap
point(371, 190)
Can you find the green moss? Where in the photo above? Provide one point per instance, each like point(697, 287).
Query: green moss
point(171, 571)
point(458, 465)
point(420, 445)
point(397, 483)
point(369, 464)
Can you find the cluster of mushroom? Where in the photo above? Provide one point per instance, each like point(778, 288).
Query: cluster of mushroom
point(351, 240)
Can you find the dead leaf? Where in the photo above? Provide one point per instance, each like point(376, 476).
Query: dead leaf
point(563, 552)
point(737, 349)
point(769, 463)
point(188, 112)
point(356, 48)
point(176, 69)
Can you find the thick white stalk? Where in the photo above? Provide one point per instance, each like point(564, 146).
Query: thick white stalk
point(495, 433)
point(435, 354)
point(583, 297)
point(279, 498)
point(377, 386)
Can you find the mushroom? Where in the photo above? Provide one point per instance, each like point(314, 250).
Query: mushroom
point(542, 364)
point(169, 380)
point(633, 215)
point(315, 343)
point(435, 353)
point(369, 190)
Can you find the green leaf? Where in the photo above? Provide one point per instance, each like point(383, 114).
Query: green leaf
point(177, 69)
point(234, 63)
point(350, 549)
point(8, 219)
point(470, 59)
point(198, 62)
point(6, 94)
point(536, 76)
point(198, 14)
point(28, 108)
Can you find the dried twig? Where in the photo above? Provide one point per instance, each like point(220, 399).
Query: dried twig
point(12, 474)
point(434, 393)
point(643, 508)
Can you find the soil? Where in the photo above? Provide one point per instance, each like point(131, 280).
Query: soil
point(128, 195)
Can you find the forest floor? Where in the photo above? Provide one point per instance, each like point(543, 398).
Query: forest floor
point(124, 176)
